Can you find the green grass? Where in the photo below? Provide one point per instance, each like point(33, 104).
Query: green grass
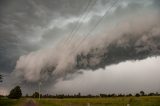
point(115, 101)
point(11, 102)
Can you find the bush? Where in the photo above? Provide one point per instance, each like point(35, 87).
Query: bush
point(137, 95)
point(15, 93)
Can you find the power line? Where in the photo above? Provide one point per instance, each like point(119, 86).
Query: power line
point(78, 20)
point(94, 28)
point(83, 16)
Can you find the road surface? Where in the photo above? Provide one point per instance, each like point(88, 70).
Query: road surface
point(30, 103)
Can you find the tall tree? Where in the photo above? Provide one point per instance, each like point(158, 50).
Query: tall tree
point(15, 93)
point(142, 93)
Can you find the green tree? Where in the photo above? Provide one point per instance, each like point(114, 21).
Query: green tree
point(142, 93)
point(35, 95)
point(15, 93)
point(137, 95)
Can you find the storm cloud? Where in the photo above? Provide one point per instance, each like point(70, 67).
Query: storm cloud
point(48, 40)
point(132, 39)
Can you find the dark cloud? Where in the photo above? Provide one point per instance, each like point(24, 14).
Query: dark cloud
point(157, 3)
point(25, 25)
point(18, 22)
point(134, 48)
point(133, 39)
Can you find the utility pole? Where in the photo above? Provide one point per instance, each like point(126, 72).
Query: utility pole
point(39, 90)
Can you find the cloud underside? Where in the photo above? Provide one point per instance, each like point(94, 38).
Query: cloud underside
point(126, 77)
point(132, 39)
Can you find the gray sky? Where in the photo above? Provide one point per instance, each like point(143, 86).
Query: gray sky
point(88, 46)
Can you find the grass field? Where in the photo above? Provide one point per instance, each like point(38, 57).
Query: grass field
point(12, 102)
point(115, 101)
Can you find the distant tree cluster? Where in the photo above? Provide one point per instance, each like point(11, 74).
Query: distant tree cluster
point(61, 96)
point(141, 93)
point(36, 95)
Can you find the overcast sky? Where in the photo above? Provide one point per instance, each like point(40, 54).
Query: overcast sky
point(87, 46)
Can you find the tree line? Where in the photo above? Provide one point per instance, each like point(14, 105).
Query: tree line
point(16, 93)
point(61, 96)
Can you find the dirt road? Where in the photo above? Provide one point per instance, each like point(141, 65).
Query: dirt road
point(30, 103)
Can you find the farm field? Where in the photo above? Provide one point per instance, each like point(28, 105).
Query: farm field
point(12, 102)
point(114, 101)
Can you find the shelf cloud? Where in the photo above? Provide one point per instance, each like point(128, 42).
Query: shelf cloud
point(132, 39)
point(54, 40)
